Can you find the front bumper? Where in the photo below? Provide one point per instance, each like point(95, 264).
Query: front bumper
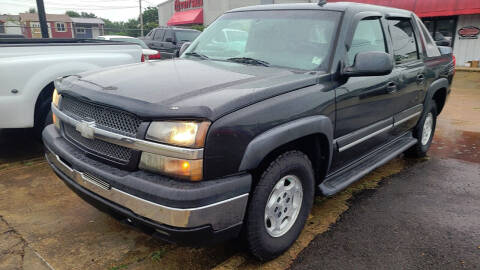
point(167, 205)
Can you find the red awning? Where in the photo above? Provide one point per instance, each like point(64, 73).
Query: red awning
point(429, 8)
point(192, 16)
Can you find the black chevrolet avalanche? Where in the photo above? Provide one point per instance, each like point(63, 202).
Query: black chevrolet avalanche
point(268, 107)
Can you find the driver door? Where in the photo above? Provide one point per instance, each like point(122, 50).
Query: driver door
point(365, 105)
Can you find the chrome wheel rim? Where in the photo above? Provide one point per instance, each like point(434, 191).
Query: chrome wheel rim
point(283, 205)
point(427, 128)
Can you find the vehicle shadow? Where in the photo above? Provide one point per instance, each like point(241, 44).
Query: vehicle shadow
point(18, 145)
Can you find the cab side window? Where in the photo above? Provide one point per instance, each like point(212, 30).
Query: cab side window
point(405, 47)
point(159, 34)
point(169, 35)
point(368, 37)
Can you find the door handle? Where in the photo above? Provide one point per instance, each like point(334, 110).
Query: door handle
point(420, 78)
point(391, 87)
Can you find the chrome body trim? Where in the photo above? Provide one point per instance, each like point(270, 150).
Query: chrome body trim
point(401, 121)
point(133, 143)
point(352, 144)
point(220, 215)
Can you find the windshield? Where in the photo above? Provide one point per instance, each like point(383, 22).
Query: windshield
point(297, 39)
point(186, 36)
point(132, 40)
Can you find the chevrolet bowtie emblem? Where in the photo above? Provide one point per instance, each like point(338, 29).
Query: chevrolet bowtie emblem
point(86, 129)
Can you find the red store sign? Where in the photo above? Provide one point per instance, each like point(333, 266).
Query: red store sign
point(187, 4)
point(469, 32)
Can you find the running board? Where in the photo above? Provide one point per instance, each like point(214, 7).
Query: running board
point(338, 181)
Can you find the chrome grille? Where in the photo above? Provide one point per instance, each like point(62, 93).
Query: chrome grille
point(104, 149)
point(107, 118)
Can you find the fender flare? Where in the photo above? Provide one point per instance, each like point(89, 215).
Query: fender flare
point(280, 135)
point(432, 89)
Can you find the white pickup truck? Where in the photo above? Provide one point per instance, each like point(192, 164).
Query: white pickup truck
point(29, 67)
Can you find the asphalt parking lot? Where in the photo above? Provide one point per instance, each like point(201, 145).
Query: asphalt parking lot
point(408, 214)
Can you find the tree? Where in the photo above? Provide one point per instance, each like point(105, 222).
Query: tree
point(87, 15)
point(32, 10)
point(150, 19)
point(72, 14)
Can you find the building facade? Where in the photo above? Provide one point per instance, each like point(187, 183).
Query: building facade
point(454, 23)
point(88, 27)
point(204, 12)
point(10, 25)
point(59, 25)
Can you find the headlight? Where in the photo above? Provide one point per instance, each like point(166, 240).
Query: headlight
point(179, 133)
point(180, 168)
point(55, 100)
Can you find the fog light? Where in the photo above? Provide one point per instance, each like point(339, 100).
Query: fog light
point(180, 168)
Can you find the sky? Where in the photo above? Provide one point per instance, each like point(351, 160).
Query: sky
point(114, 10)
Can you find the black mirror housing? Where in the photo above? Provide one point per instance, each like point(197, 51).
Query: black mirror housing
point(370, 64)
point(184, 48)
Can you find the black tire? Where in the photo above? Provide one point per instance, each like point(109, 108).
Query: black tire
point(420, 149)
point(43, 117)
point(260, 243)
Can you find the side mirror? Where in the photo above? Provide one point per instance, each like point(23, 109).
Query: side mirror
point(184, 48)
point(370, 64)
point(444, 50)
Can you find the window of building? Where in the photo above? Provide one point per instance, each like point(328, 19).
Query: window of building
point(442, 30)
point(368, 37)
point(405, 47)
point(35, 27)
point(80, 30)
point(60, 26)
point(2, 27)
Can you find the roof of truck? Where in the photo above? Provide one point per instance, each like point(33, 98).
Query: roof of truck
point(337, 6)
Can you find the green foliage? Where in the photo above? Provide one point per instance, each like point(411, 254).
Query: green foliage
point(156, 256)
point(87, 15)
point(123, 266)
point(72, 13)
point(198, 27)
point(32, 10)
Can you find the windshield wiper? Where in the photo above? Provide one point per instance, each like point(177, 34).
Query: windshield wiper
point(197, 55)
point(248, 60)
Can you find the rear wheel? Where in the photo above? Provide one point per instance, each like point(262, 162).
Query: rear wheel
point(424, 132)
point(280, 205)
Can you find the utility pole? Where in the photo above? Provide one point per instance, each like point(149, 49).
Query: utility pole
point(141, 17)
point(42, 18)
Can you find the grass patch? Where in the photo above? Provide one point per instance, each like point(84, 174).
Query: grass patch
point(156, 256)
point(123, 266)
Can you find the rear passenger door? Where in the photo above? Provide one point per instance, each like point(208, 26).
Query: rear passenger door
point(364, 105)
point(409, 71)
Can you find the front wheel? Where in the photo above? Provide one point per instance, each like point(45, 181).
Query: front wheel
point(280, 205)
point(424, 132)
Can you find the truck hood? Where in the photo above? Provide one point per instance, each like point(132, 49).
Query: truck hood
point(183, 88)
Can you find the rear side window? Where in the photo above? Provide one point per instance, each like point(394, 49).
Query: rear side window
point(159, 34)
point(430, 46)
point(368, 37)
point(404, 42)
point(169, 34)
